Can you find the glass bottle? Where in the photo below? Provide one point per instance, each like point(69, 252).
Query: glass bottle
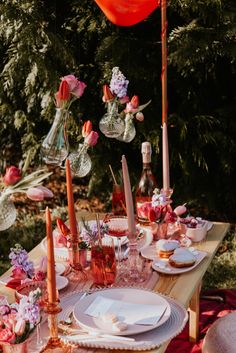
point(111, 124)
point(55, 146)
point(146, 185)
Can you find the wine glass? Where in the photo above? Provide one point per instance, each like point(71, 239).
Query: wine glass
point(118, 228)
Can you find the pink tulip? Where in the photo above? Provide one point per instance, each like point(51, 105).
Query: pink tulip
point(92, 138)
point(39, 193)
point(79, 90)
point(139, 116)
point(124, 100)
point(6, 335)
point(12, 176)
point(87, 128)
point(18, 273)
point(20, 327)
point(61, 240)
point(35, 194)
point(76, 87)
point(132, 106)
point(46, 192)
point(179, 210)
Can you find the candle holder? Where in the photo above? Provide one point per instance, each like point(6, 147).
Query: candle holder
point(168, 193)
point(54, 343)
point(76, 269)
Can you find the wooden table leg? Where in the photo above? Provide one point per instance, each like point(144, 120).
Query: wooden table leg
point(194, 315)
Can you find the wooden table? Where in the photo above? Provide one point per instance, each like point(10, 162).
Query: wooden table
point(185, 287)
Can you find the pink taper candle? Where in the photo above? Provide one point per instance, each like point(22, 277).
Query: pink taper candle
point(51, 275)
point(128, 199)
point(71, 206)
point(165, 158)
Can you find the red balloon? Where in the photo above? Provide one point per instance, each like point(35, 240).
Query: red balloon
point(127, 12)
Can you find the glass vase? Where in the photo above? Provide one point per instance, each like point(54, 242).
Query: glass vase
point(111, 124)
point(15, 348)
point(55, 146)
point(80, 161)
point(129, 132)
point(159, 230)
point(7, 211)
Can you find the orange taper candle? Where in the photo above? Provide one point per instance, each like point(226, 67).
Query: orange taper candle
point(51, 274)
point(71, 206)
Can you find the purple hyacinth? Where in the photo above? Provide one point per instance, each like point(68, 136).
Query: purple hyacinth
point(19, 259)
point(118, 83)
point(90, 232)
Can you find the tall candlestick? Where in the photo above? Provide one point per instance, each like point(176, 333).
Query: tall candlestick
point(71, 206)
point(128, 199)
point(165, 158)
point(51, 275)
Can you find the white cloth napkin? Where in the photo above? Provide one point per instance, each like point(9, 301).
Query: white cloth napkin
point(130, 313)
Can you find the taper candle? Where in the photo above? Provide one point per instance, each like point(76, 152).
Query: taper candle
point(51, 274)
point(128, 198)
point(165, 158)
point(71, 206)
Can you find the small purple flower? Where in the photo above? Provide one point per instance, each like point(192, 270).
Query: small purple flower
point(90, 232)
point(118, 83)
point(19, 259)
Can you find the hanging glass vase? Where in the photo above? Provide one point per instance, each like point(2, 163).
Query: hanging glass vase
point(111, 124)
point(7, 211)
point(130, 131)
point(80, 161)
point(55, 146)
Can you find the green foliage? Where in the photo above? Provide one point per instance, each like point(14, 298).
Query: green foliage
point(40, 42)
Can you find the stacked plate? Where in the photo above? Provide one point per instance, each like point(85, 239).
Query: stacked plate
point(150, 318)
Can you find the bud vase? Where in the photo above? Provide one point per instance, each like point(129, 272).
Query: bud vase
point(55, 146)
point(111, 124)
point(130, 131)
point(80, 161)
point(159, 230)
point(7, 211)
point(15, 348)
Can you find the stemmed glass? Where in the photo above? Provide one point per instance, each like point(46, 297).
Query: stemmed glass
point(118, 228)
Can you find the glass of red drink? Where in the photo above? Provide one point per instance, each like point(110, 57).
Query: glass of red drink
point(103, 262)
point(118, 200)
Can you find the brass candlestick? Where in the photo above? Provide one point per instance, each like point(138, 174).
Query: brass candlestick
point(54, 343)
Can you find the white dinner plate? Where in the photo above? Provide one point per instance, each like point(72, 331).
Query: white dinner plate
point(61, 282)
point(163, 266)
point(60, 268)
point(130, 295)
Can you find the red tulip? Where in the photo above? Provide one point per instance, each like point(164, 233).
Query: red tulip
point(135, 101)
point(92, 138)
point(62, 227)
point(87, 128)
point(107, 95)
point(12, 176)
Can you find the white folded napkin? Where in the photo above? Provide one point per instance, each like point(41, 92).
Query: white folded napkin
point(130, 313)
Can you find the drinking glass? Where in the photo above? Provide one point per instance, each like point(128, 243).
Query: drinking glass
point(118, 200)
point(118, 227)
point(103, 261)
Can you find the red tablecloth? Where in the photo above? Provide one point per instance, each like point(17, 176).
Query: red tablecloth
point(209, 312)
